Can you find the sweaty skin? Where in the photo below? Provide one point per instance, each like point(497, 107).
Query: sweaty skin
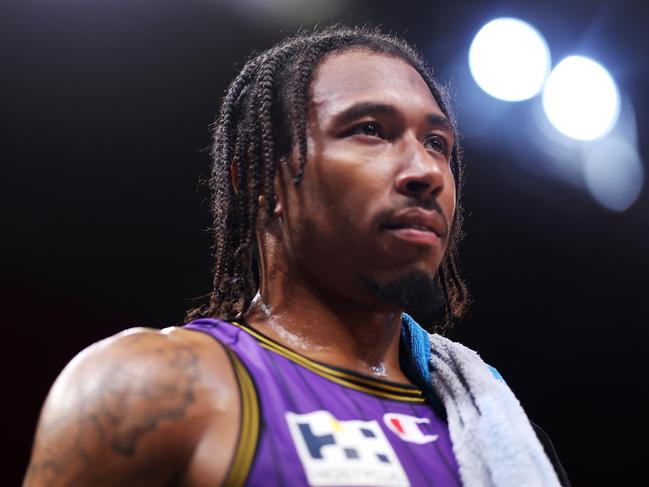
point(149, 407)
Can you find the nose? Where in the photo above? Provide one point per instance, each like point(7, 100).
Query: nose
point(420, 175)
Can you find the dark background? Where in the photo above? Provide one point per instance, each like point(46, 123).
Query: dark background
point(107, 106)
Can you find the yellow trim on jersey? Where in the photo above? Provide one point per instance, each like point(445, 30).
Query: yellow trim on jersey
point(250, 419)
point(352, 381)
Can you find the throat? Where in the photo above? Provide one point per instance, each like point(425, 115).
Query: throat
point(366, 346)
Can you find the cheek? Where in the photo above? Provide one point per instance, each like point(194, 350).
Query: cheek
point(349, 186)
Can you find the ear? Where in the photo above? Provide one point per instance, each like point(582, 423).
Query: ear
point(278, 211)
point(280, 187)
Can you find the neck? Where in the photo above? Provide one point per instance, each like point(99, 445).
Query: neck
point(329, 328)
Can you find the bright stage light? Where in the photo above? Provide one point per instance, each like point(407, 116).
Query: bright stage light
point(613, 173)
point(509, 59)
point(580, 99)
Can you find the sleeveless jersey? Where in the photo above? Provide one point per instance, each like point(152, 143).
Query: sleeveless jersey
point(307, 423)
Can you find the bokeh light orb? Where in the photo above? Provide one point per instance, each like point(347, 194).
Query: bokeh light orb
point(509, 59)
point(614, 173)
point(581, 99)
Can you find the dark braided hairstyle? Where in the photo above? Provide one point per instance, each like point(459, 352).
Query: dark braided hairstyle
point(263, 115)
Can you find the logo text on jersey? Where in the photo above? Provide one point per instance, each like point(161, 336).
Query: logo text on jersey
point(352, 452)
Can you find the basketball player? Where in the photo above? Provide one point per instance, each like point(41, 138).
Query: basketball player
point(336, 201)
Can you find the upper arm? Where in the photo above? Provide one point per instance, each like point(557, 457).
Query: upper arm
point(129, 411)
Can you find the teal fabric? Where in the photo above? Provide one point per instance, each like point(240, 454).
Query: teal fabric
point(415, 355)
point(416, 348)
point(495, 373)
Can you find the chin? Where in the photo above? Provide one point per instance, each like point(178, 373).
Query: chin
point(409, 270)
point(415, 292)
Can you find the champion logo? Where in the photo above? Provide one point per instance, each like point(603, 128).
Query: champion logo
point(407, 428)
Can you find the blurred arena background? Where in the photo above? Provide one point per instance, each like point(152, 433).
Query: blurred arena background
point(107, 104)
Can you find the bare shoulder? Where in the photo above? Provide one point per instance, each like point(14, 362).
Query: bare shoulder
point(132, 409)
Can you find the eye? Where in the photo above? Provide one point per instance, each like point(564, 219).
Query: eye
point(371, 129)
point(436, 143)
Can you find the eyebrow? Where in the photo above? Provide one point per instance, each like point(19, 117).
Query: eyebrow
point(363, 109)
point(440, 121)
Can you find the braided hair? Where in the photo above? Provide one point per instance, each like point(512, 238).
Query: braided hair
point(263, 118)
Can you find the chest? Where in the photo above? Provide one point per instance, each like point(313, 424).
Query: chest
point(326, 427)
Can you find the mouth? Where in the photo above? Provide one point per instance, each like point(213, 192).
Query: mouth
point(415, 234)
point(417, 226)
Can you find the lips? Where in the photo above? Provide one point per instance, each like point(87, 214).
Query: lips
point(418, 220)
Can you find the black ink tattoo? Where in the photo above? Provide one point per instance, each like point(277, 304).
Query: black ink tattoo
point(125, 403)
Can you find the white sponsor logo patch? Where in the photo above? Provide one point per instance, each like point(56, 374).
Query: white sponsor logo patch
point(337, 452)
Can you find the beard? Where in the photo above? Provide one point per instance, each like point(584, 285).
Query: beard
point(417, 294)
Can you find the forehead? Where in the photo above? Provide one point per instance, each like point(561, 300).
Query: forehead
point(358, 74)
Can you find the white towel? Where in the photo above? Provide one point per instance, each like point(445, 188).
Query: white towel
point(493, 440)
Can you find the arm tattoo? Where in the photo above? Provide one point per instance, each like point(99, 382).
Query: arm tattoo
point(127, 401)
point(142, 405)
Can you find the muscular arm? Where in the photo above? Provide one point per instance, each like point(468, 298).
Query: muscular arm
point(134, 410)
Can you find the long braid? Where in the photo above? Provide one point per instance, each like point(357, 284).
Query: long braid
point(266, 79)
point(300, 97)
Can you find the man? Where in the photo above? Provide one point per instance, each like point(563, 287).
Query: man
point(336, 170)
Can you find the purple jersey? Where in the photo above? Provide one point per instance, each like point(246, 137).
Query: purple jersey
point(307, 423)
